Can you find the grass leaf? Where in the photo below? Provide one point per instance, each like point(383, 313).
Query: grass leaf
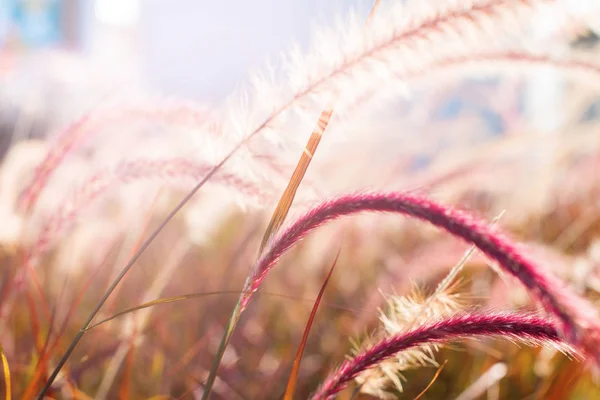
point(437, 374)
point(287, 198)
point(6, 369)
point(291, 385)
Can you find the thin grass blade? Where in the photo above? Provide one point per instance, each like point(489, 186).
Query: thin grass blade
point(6, 372)
point(127, 375)
point(157, 302)
point(291, 385)
point(167, 300)
point(437, 374)
point(287, 198)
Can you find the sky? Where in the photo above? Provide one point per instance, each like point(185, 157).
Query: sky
point(204, 49)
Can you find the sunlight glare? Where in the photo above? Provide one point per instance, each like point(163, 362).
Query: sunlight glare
point(117, 12)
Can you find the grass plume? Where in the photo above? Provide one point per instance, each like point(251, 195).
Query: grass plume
point(578, 318)
point(528, 329)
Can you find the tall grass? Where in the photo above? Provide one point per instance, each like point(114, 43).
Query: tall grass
point(94, 254)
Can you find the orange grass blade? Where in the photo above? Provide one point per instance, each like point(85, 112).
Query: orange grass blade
point(291, 385)
point(127, 374)
point(136, 255)
point(287, 198)
point(8, 295)
point(6, 371)
point(437, 374)
point(285, 202)
point(156, 302)
point(41, 369)
point(79, 395)
point(42, 362)
point(35, 323)
point(167, 300)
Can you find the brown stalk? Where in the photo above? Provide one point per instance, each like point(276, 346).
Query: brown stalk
point(6, 372)
point(287, 198)
point(293, 379)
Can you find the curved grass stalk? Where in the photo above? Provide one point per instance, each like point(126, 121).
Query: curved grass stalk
point(293, 379)
point(577, 317)
point(6, 373)
point(527, 329)
point(190, 296)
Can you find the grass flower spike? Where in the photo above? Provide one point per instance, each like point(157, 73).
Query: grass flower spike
point(516, 327)
point(578, 319)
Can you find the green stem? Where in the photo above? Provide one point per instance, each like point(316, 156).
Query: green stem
point(231, 324)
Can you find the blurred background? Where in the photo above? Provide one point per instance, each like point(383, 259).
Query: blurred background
point(168, 44)
point(82, 51)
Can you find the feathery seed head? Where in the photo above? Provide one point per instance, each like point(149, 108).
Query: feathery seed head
point(402, 313)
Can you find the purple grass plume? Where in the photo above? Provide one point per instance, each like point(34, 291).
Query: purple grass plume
point(577, 318)
point(529, 329)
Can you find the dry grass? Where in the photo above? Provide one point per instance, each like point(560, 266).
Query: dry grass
point(469, 143)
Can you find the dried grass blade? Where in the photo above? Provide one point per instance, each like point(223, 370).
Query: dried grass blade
point(167, 300)
point(157, 302)
point(41, 369)
point(127, 375)
point(6, 371)
point(291, 385)
point(437, 374)
point(287, 198)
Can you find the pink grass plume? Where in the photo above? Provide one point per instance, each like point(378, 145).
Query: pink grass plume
point(515, 327)
point(577, 318)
